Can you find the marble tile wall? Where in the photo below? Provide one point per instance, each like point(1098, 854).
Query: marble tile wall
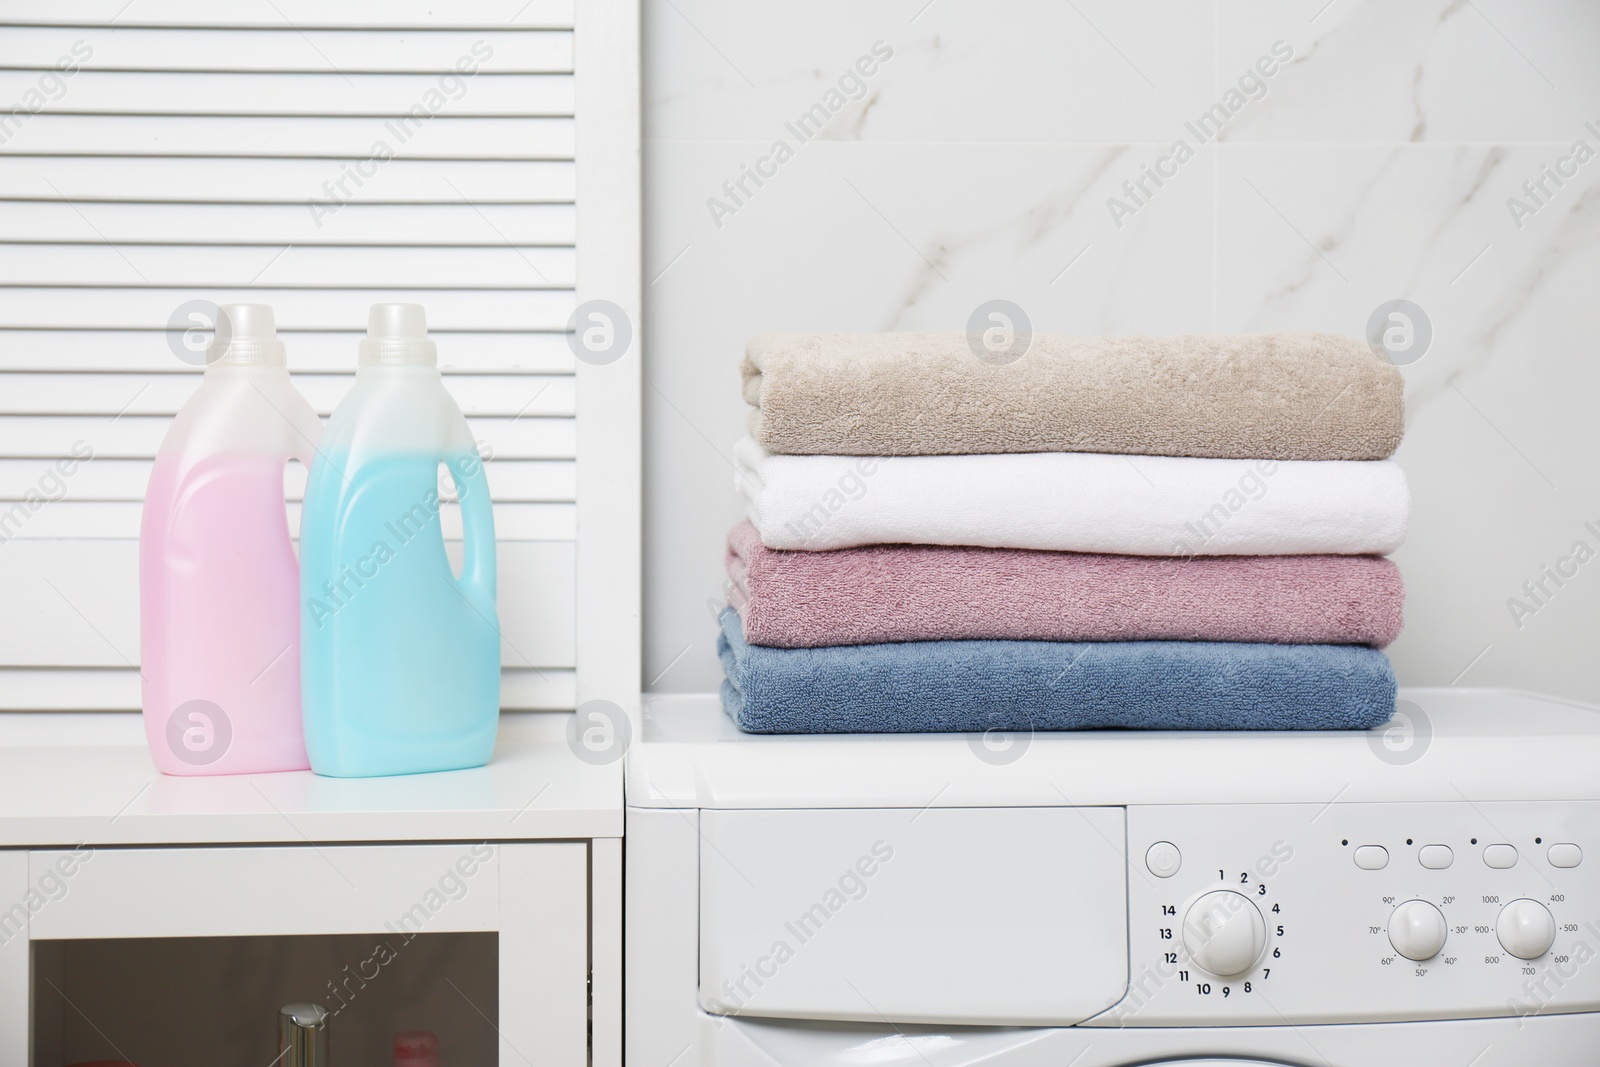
point(1367, 151)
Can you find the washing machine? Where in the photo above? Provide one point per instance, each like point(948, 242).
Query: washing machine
point(1423, 894)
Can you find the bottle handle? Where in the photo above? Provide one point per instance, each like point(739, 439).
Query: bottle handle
point(303, 447)
point(477, 521)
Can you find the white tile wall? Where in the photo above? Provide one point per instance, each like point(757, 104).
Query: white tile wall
point(1374, 165)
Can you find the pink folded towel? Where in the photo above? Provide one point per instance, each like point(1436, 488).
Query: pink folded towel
point(881, 593)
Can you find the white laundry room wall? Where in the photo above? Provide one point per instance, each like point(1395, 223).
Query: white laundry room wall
point(1427, 151)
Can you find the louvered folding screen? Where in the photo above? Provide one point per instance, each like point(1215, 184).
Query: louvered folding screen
point(317, 157)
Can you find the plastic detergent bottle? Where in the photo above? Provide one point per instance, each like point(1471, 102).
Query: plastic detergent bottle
point(401, 655)
point(218, 584)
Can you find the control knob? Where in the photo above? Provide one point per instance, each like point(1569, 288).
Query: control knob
point(1224, 933)
point(1525, 928)
point(1417, 930)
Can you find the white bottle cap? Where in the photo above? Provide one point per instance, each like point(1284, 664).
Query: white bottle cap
point(397, 335)
point(246, 333)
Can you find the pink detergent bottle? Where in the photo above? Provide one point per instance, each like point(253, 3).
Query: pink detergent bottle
point(218, 580)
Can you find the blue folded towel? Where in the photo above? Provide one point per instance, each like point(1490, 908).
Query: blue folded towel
point(969, 686)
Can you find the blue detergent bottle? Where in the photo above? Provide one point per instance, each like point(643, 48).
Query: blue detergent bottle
point(400, 658)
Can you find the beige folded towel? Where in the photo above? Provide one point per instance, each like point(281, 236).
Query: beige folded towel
point(1261, 396)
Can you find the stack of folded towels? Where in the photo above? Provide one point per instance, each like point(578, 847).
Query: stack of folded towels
point(1159, 532)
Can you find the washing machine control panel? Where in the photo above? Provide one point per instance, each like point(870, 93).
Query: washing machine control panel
point(1304, 914)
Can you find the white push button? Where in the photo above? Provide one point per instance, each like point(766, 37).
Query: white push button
point(1565, 854)
point(1500, 857)
point(1163, 859)
point(1435, 857)
point(1372, 857)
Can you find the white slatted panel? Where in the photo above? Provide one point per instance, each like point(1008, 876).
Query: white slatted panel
point(318, 157)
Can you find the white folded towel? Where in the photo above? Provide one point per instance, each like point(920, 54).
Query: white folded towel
point(1077, 502)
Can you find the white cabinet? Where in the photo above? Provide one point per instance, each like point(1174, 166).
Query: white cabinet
point(480, 157)
point(490, 897)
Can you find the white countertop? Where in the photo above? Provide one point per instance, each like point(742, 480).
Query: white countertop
point(67, 778)
point(1462, 744)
